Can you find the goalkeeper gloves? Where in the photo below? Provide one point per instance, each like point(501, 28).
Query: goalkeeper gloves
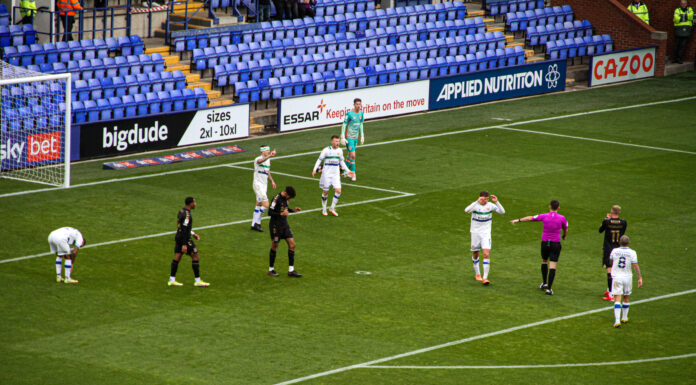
point(362, 139)
point(343, 140)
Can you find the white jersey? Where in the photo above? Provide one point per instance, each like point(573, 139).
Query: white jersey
point(333, 162)
point(261, 171)
point(63, 239)
point(482, 215)
point(623, 258)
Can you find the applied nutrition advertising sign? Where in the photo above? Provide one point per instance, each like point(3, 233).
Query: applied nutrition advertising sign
point(163, 131)
point(621, 66)
point(326, 109)
point(504, 83)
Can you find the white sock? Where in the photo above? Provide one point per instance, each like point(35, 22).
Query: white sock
point(257, 215)
point(486, 267)
point(291, 268)
point(624, 310)
point(197, 279)
point(476, 266)
point(261, 210)
point(59, 265)
point(172, 279)
point(270, 268)
point(617, 312)
point(335, 201)
point(323, 202)
point(68, 268)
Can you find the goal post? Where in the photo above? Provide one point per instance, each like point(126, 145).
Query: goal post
point(35, 122)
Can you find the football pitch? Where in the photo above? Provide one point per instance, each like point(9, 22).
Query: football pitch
point(388, 294)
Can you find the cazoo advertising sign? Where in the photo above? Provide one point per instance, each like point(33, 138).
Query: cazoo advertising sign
point(620, 66)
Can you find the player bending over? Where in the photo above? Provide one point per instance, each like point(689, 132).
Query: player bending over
point(280, 229)
point(185, 245)
point(481, 216)
point(622, 259)
point(350, 132)
point(613, 228)
point(332, 157)
point(262, 174)
point(61, 241)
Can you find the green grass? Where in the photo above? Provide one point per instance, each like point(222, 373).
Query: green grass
point(121, 324)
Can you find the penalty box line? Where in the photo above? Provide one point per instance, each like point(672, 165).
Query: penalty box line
point(474, 338)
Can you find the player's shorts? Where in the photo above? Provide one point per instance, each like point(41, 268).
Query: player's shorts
point(351, 144)
point(279, 232)
point(622, 285)
point(260, 192)
point(480, 241)
point(606, 262)
point(58, 246)
point(326, 181)
point(190, 247)
point(550, 251)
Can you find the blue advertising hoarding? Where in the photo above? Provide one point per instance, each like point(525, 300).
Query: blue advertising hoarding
point(503, 83)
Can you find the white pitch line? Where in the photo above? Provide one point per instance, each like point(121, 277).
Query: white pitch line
point(317, 179)
point(469, 339)
point(114, 180)
point(572, 365)
point(503, 127)
point(201, 228)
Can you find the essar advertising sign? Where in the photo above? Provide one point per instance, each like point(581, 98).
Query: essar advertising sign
point(622, 66)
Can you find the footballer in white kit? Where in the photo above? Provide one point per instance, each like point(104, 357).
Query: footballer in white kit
point(334, 161)
point(481, 212)
point(262, 174)
point(623, 260)
point(65, 242)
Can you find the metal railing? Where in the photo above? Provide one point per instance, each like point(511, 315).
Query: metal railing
point(187, 16)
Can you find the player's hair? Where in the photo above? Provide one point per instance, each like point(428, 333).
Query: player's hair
point(335, 137)
point(616, 209)
point(188, 200)
point(484, 193)
point(290, 191)
point(357, 100)
point(555, 204)
point(624, 240)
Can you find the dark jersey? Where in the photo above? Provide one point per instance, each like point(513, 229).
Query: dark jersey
point(613, 229)
point(278, 205)
point(184, 226)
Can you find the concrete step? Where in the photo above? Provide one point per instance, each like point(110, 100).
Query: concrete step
point(256, 128)
point(161, 50)
point(489, 21)
point(534, 59)
point(198, 20)
point(529, 53)
point(509, 39)
point(180, 27)
point(186, 69)
point(495, 29)
point(193, 78)
point(212, 94)
point(221, 102)
point(191, 5)
point(171, 59)
point(570, 82)
point(476, 13)
point(203, 85)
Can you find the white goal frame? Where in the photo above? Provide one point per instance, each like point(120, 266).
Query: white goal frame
point(67, 120)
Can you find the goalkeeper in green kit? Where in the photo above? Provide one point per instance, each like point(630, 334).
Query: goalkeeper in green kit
point(350, 132)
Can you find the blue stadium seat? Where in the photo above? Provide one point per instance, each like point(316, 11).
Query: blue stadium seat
point(340, 78)
point(37, 51)
point(91, 111)
point(154, 103)
point(351, 79)
point(179, 80)
point(80, 90)
point(25, 56)
point(132, 85)
point(165, 101)
point(141, 104)
point(189, 99)
point(118, 109)
point(201, 98)
point(107, 87)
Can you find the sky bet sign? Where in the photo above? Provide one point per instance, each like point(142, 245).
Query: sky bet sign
point(504, 83)
point(19, 149)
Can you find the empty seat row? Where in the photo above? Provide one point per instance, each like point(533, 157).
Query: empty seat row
point(4, 15)
point(348, 78)
point(413, 3)
point(501, 7)
point(13, 35)
point(31, 117)
point(128, 85)
point(108, 67)
point(231, 73)
point(336, 7)
point(520, 21)
point(44, 94)
point(139, 105)
point(73, 50)
point(209, 57)
point(320, 25)
point(540, 34)
point(577, 47)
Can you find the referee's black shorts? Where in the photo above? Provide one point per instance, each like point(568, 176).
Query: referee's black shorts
point(550, 251)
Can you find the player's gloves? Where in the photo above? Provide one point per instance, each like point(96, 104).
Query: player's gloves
point(362, 139)
point(343, 140)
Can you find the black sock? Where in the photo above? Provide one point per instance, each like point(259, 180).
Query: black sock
point(552, 275)
point(175, 266)
point(291, 257)
point(609, 282)
point(544, 272)
point(196, 269)
point(272, 256)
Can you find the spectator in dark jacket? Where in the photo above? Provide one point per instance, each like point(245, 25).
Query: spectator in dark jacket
point(264, 10)
point(306, 8)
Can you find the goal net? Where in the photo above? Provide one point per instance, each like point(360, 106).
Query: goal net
point(35, 126)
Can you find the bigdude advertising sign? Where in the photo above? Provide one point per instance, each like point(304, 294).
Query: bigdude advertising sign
point(326, 109)
point(621, 66)
point(164, 131)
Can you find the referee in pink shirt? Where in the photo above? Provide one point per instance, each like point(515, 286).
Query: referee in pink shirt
point(550, 241)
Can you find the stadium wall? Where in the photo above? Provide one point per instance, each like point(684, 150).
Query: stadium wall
point(613, 18)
